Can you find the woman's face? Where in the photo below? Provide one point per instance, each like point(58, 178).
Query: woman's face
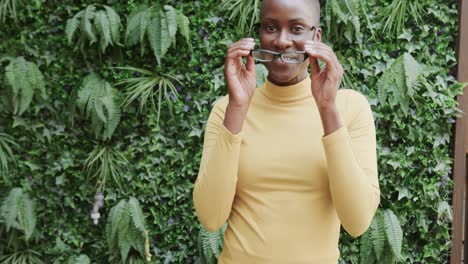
point(286, 26)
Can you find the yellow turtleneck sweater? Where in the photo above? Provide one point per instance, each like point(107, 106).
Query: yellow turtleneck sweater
point(284, 188)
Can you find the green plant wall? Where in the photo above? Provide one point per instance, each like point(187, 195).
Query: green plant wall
point(154, 152)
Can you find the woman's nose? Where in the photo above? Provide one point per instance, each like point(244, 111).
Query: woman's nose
point(283, 40)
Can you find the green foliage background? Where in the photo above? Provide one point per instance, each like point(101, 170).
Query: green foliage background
point(54, 138)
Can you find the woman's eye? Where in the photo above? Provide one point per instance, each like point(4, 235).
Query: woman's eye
point(270, 28)
point(298, 29)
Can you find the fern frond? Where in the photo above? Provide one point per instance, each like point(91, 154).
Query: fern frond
point(165, 36)
point(27, 216)
point(102, 24)
point(399, 83)
point(72, 25)
point(99, 100)
point(132, 33)
point(138, 218)
point(24, 79)
point(159, 25)
point(10, 207)
point(137, 240)
point(159, 34)
point(87, 93)
point(111, 227)
point(115, 23)
point(124, 244)
point(412, 71)
point(144, 21)
point(36, 79)
point(171, 17)
point(114, 118)
point(16, 80)
point(366, 245)
point(393, 232)
point(378, 236)
point(18, 211)
point(342, 18)
point(86, 25)
point(211, 243)
point(125, 230)
point(184, 27)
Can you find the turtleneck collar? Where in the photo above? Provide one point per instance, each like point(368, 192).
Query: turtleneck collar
point(289, 93)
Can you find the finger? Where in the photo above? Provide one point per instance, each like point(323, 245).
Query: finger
point(242, 42)
point(314, 66)
point(243, 49)
point(250, 64)
point(325, 55)
point(242, 45)
point(237, 54)
point(329, 50)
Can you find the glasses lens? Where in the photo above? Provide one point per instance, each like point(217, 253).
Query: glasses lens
point(293, 57)
point(262, 55)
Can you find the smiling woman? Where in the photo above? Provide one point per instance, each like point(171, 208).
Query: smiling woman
point(288, 163)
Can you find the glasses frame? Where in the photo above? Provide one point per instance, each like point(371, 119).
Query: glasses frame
point(281, 54)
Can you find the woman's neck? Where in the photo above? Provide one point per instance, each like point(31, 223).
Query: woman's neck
point(296, 79)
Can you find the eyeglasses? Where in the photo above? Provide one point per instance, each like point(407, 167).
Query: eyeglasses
point(292, 57)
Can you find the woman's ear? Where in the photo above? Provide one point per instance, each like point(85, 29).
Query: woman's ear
point(318, 34)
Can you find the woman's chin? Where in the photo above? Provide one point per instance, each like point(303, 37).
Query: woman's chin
point(284, 73)
point(280, 75)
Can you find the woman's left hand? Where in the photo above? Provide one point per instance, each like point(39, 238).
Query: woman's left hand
point(326, 81)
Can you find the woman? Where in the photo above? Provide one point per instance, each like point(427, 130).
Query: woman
point(288, 163)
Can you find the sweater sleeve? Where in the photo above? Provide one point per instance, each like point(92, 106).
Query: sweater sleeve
point(215, 186)
point(352, 168)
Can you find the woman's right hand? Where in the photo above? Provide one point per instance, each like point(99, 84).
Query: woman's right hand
point(241, 78)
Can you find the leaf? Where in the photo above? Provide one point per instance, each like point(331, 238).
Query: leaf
point(86, 26)
point(72, 25)
point(393, 232)
point(137, 215)
point(444, 209)
point(171, 17)
point(10, 207)
point(27, 216)
point(399, 82)
point(144, 19)
point(18, 211)
point(99, 100)
point(24, 79)
point(125, 230)
point(102, 24)
point(82, 259)
point(132, 33)
point(412, 71)
point(115, 24)
point(154, 36)
point(165, 37)
point(184, 28)
point(366, 246)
